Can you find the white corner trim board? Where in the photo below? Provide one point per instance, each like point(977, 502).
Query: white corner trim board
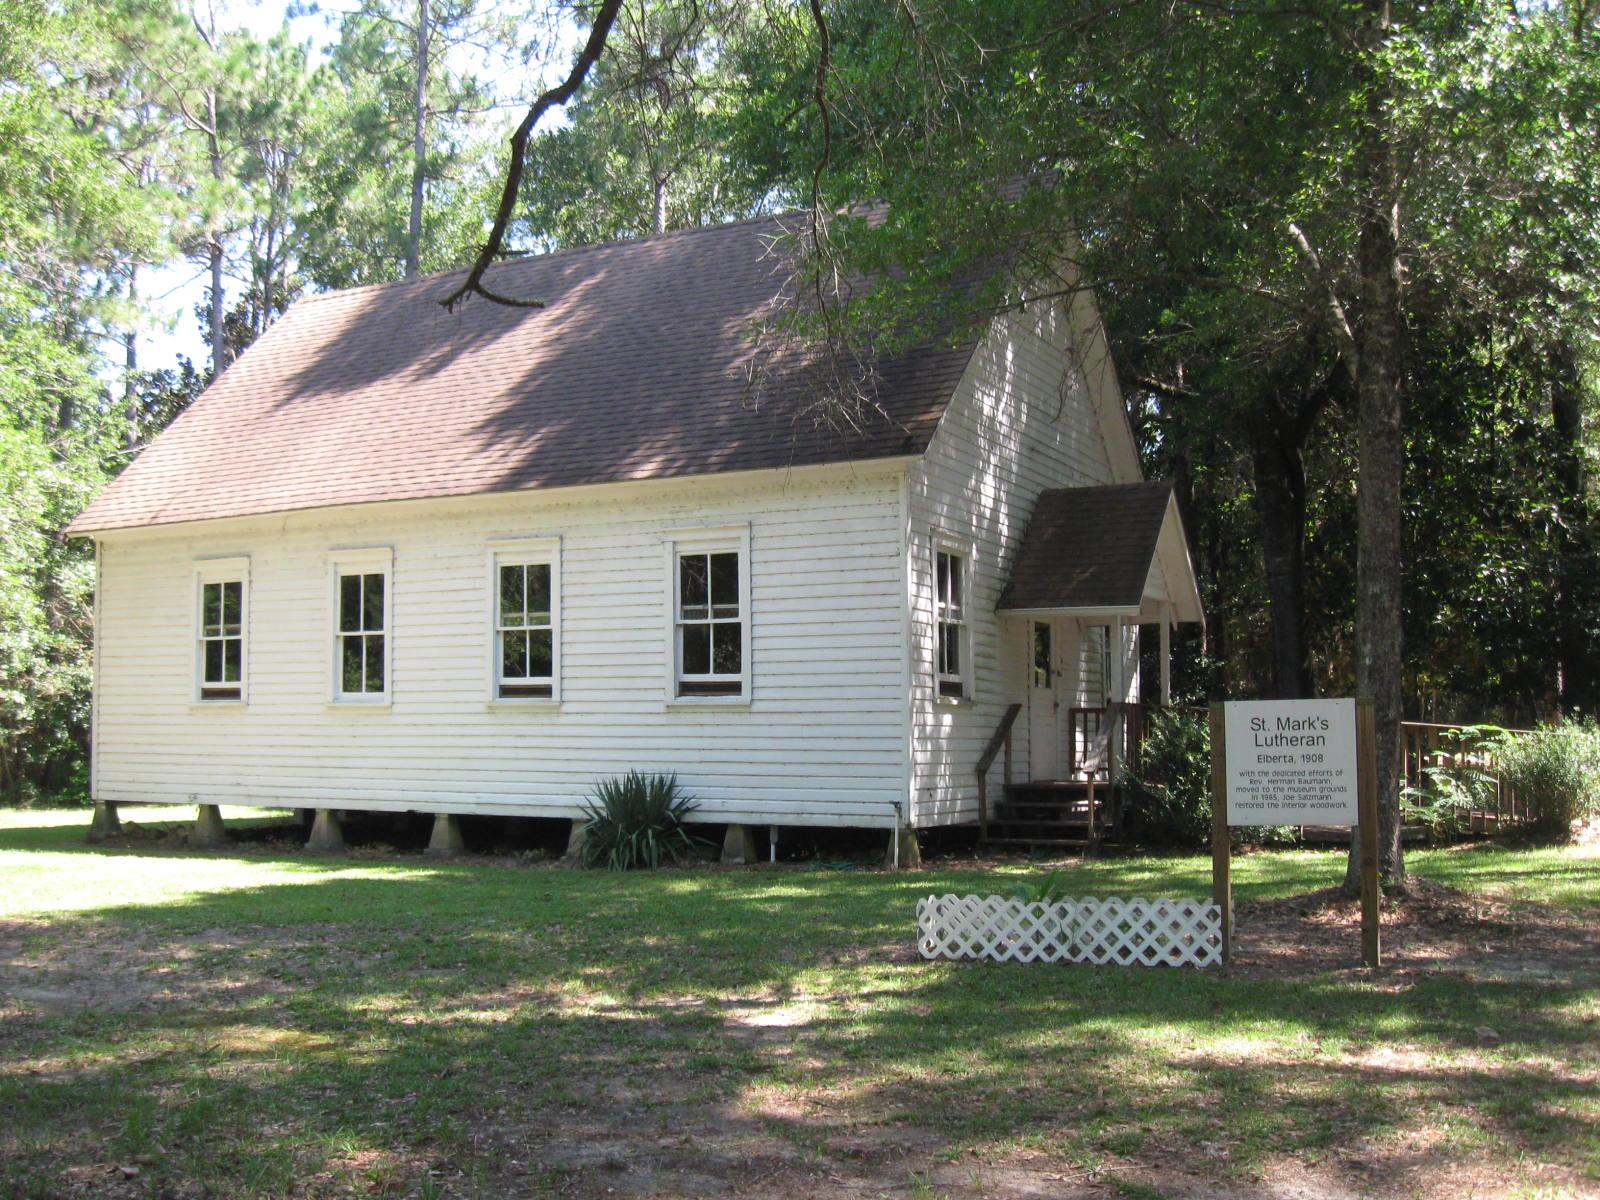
point(1106, 931)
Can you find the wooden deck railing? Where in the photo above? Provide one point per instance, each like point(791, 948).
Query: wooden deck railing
point(1430, 751)
point(1127, 723)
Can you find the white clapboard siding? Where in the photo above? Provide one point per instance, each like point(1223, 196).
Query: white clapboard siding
point(822, 742)
point(1037, 409)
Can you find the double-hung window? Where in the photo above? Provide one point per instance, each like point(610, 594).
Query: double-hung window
point(953, 675)
point(221, 628)
point(525, 583)
point(711, 616)
point(362, 616)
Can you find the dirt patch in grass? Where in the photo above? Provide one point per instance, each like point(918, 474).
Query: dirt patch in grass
point(52, 970)
point(1434, 928)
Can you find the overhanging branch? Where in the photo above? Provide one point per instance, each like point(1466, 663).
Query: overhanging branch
point(553, 98)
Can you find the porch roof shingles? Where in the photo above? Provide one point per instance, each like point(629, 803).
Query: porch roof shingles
point(636, 368)
point(1088, 548)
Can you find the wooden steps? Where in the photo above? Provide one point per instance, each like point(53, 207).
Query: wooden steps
point(1051, 815)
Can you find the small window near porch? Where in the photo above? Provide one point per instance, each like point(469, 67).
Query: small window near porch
point(1041, 655)
point(952, 677)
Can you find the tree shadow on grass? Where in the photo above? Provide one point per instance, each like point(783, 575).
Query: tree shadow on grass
point(679, 1031)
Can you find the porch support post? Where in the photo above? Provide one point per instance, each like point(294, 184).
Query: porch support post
point(1166, 655)
point(1118, 694)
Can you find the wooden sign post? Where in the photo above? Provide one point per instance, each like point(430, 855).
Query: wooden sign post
point(1294, 762)
point(1221, 848)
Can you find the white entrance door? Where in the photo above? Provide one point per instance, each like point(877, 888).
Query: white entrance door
point(1044, 708)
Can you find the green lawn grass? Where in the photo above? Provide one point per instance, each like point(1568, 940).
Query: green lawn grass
point(401, 1027)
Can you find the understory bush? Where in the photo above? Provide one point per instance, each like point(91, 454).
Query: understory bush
point(1168, 801)
point(637, 821)
point(1556, 773)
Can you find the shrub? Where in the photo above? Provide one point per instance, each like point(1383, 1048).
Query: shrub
point(1049, 890)
point(1169, 800)
point(637, 821)
point(1556, 773)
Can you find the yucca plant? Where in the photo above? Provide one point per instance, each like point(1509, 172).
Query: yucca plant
point(637, 821)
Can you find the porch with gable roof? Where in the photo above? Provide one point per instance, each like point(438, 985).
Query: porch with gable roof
point(1094, 565)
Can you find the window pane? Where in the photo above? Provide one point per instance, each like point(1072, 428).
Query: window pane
point(232, 659)
point(512, 595)
point(232, 607)
point(693, 586)
point(213, 668)
point(350, 664)
point(349, 603)
point(540, 659)
point(372, 604)
point(725, 583)
point(374, 650)
point(513, 656)
point(950, 649)
point(1041, 654)
point(942, 590)
point(538, 593)
point(211, 608)
point(955, 583)
point(727, 641)
point(696, 649)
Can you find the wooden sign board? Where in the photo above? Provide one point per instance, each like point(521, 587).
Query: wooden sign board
point(1294, 762)
point(1291, 762)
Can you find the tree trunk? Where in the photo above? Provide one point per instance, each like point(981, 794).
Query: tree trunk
point(419, 146)
point(1381, 464)
point(1280, 494)
point(219, 342)
point(130, 364)
point(1575, 609)
point(659, 225)
point(266, 282)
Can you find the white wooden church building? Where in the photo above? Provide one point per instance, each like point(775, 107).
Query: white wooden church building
point(397, 558)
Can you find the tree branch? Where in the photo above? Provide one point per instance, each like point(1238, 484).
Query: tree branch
point(1341, 323)
point(553, 98)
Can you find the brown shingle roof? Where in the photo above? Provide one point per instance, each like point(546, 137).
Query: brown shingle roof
point(635, 370)
point(1088, 547)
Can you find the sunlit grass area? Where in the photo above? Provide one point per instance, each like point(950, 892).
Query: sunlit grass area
point(259, 1022)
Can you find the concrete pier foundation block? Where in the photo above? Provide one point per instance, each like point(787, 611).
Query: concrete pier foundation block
point(739, 846)
point(326, 835)
point(446, 840)
point(208, 828)
point(105, 823)
point(575, 840)
point(910, 849)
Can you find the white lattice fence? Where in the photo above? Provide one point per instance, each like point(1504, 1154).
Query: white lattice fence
point(1132, 932)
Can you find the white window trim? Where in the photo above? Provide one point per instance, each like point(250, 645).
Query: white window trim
point(941, 541)
point(363, 560)
point(522, 552)
point(221, 570)
point(707, 541)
